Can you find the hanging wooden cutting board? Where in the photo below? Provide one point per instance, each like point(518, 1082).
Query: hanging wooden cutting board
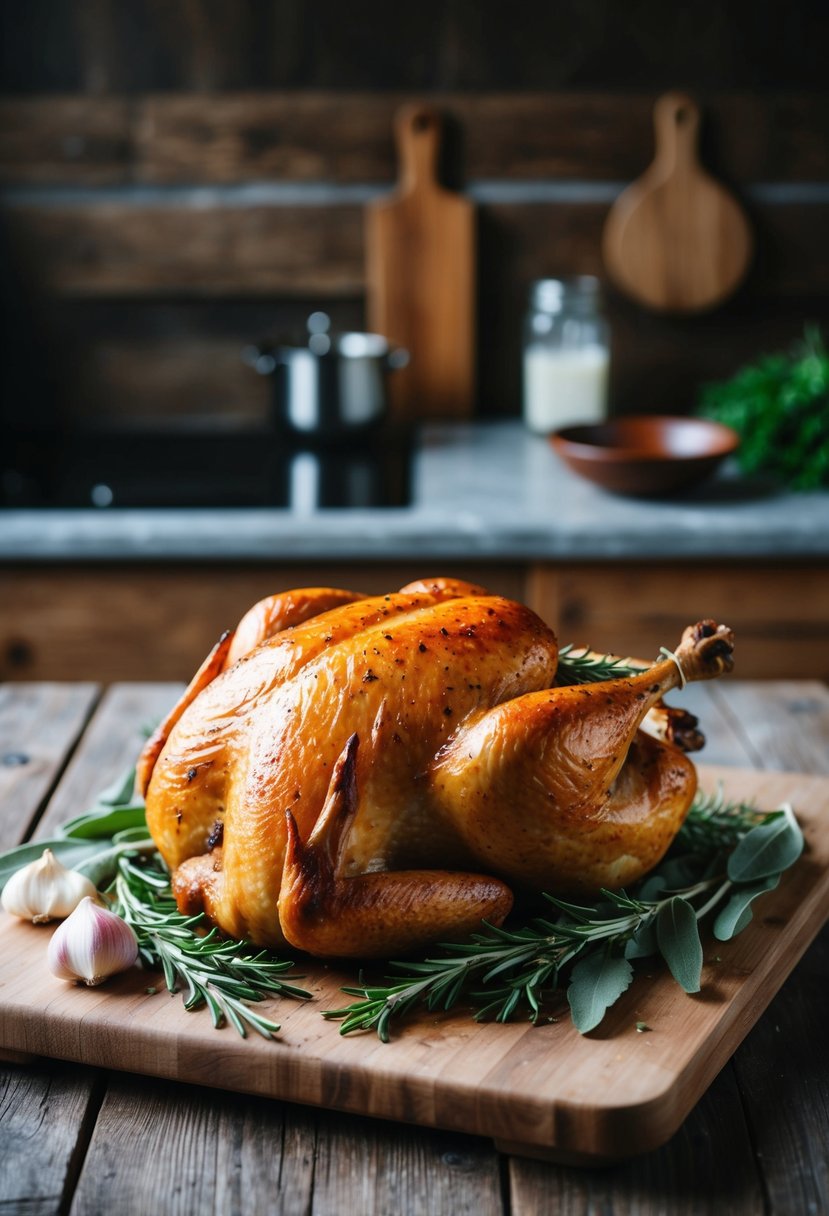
point(420, 271)
point(676, 240)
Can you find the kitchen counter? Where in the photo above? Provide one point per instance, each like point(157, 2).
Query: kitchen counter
point(488, 490)
point(489, 503)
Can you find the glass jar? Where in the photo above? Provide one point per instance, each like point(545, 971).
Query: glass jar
point(566, 354)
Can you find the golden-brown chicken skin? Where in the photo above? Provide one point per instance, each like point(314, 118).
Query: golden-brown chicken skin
point(383, 772)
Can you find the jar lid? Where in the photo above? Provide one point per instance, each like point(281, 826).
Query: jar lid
point(552, 295)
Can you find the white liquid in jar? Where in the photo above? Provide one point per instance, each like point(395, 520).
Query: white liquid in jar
point(564, 386)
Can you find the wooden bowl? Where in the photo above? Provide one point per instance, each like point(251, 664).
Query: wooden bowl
point(645, 455)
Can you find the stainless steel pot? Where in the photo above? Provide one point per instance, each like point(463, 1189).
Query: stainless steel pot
point(333, 386)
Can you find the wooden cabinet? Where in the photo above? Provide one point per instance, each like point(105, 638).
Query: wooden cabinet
point(157, 621)
point(779, 611)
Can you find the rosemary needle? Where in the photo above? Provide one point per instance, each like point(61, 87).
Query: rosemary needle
point(713, 821)
point(581, 665)
point(224, 975)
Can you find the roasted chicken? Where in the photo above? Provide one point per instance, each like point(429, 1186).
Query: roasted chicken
point(360, 776)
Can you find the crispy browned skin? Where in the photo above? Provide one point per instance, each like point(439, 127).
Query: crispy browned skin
point(270, 616)
point(386, 773)
point(262, 621)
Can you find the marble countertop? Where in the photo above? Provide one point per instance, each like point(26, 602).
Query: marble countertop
point(485, 490)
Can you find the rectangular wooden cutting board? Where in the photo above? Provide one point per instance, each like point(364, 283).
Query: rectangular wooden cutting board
point(541, 1090)
point(420, 277)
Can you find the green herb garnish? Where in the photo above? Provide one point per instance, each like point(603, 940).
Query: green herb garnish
point(581, 665)
point(715, 823)
point(502, 971)
point(225, 975)
point(779, 406)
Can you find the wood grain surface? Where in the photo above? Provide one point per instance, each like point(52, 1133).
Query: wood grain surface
point(421, 277)
point(676, 240)
point(160, 234)
point(779, 610)
point(150, 301)
point(746, 1147)
point(39, 726)
point(129, 247)
point(346, 136)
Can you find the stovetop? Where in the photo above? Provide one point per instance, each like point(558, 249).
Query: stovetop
point(217, 469)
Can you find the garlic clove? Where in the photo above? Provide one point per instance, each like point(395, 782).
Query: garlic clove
point(45, 890)
point(91, 944)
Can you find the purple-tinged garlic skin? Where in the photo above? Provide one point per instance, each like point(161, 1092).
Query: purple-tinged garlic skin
point(91, 945)
point(45, 890)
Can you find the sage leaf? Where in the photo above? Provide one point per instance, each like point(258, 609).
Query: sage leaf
point(651, 889)
point(737, 912)
point(677, 934)
point(596, 983)
point(105, 822)
point(102, 866)
point(767, 849)
point(642, 943)
point(676, 873)
point(121, 790)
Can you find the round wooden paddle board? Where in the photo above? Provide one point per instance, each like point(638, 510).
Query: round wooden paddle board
point(677, 240)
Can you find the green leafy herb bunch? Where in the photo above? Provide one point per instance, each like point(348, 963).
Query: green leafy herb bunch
point(779, 406)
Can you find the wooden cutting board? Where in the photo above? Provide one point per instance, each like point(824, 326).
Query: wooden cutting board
point(420, 277)
point(538, 1091)
point(676, 240)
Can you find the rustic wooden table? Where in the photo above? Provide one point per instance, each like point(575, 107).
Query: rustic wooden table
point(80, 1140)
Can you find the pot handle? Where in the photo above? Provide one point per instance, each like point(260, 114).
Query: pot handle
point(261, 360)
point(397, 359)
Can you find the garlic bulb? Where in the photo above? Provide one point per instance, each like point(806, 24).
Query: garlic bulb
point(91, 944)
point(45, 890)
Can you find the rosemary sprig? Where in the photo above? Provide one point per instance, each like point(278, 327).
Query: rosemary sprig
point(581, 665)
point(715, 823)
point(225, 975)
point(518, 969)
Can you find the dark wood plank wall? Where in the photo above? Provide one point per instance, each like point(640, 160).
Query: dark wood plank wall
point(136, 46)
point(180, 179)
